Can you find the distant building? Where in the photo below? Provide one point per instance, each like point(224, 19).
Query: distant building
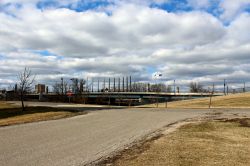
point(40, 88)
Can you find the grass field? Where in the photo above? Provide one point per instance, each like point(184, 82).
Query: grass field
point(11, 114)
point(198, 144)
point(231, 101)
point(4, 105)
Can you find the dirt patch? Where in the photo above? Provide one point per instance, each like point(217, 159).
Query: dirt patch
point(244, 122)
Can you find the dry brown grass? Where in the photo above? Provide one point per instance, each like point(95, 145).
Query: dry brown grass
point(230, 101)
point(11, 114)
point(34, 117)
point(3, 104)
point(201, 144)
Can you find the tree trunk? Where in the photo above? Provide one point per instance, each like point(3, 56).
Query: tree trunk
point(22, 102)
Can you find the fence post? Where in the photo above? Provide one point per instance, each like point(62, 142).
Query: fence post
point(210, 101)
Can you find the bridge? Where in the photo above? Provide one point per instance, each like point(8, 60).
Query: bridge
point(122, 98)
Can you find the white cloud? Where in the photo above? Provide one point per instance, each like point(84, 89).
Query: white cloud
point(199, 4)
point(68, 33)
point(190, 45)
point(231, 8)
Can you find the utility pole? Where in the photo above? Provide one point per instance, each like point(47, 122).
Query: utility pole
point(224, 86)
point(114, 85)
point(87, 85)
point(130, 87)
point(92, 85)
point(213, 87)
point(174, 87)
point(123, 84)
point(127, 84)
point(98, 85)
point(134, 88)
point(244, 90)
point(119, 84)
point(104, 85)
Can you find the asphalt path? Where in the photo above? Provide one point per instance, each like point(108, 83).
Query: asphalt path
point(82, 139)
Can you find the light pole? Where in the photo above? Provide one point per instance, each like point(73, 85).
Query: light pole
point(174, 86)
point(224, 86)
point(98, 89)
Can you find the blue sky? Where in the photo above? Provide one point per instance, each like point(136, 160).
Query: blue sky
point(170, 6)
point(211, 6)
point(192, 40)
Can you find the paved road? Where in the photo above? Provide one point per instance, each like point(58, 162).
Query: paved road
point(82, 139)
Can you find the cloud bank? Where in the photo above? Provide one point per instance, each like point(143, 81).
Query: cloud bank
point(125, 38)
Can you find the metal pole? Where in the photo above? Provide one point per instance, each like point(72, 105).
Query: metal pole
point(87, 86)
point(130, 88)
point(210, 101)
point(98, 85)
point(104, 85)
point(109, 84)
point(127, 84)
point(92, 85)
point(119, 84)
point(224, 86)
point(134, 88)
point(213, 87)
point(114, 85)
point(123, 84)
point(174, 86)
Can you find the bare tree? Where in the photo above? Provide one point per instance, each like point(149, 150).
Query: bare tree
point(57, 88)
point(158, 87)
point(25, 80)
point(60, 88)
point(65, 87)
point(169, 88)
point(75, 85)
point(195, 87)
point(140, 87)
point(81, 86)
